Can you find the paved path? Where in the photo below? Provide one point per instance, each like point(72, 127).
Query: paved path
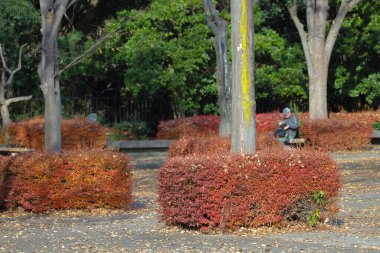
point(357, 228)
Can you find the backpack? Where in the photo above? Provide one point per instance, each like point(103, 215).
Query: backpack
point(280, 132)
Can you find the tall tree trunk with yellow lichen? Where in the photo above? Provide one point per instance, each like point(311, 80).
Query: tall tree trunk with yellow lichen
point(243, 137)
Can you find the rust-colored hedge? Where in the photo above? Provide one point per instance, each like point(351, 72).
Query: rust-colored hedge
point(190, 126)
point(337, 134)
point(4, 174)
point(226, 191)
point(188, 145)
point(342, 131)
point(39, 182)
point(208, 125)
point(77, 133)
point(211, 144)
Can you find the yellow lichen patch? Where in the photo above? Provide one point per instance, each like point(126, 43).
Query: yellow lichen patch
point(246, 84)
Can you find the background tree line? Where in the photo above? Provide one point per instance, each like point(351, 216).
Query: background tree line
point(162, 53)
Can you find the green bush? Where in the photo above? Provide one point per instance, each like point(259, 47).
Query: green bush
point(135, 130)
point(376, 125)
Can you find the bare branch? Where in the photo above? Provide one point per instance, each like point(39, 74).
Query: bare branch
point(89, 51)
point(3, 60)
point(19, 58)
point(11, 72)
point(70, 20)
point(70, 3)
point(210, 14)
point(60, 12)
point(303, 35)
point(17, 99)
point(86, 54)
point(344, 8)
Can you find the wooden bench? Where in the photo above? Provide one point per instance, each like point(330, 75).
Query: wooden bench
point(139, 146)
point(298, 142)
point(13, 151)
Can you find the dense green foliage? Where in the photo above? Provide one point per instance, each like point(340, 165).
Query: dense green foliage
point(19, 21)
point(161, 53)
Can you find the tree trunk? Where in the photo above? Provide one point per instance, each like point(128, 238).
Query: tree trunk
point(318, 90)
point(4, 107)
point(318, 82)
point(52, 14)
point(318, 48)
point(224, 82)
point(243, 139)
point(5, 114)
point(223, 73)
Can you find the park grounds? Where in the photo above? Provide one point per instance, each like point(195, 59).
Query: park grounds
point(355, 229)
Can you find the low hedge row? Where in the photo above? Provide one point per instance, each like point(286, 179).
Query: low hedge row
point(211, 144)
point(342, 131)
point(190, 126)
point(77, 133)
point(39, 182)
point(227, 191)
point(334, 134)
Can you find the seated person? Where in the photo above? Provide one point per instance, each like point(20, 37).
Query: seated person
point(288, 127)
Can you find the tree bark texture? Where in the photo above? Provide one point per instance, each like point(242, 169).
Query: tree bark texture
point(219, 27)
point(52, 12)
point(243, 138)
point(318, 47)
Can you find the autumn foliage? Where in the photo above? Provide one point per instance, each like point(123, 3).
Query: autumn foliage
point(39, 182)
point(189, 126)
point(211, 144)
point(229, 191)
point(342, 131)
point(77, 133)
point(336, 134)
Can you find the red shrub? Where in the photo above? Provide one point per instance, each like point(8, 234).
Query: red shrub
point(39, 182)
point(227, 191)
point(4, 175)
point(364, 117)
point(211, 144)
point(342, 131)
point(337, 134)
point(267, 122)
point(174, 129)
point(76, 133)
point(209, 124)
point(187, 145)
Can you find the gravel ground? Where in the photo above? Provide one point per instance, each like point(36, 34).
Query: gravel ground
point(356, 229)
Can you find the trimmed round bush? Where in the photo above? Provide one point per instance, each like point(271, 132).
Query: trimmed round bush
point(39, 182)
point(229, 191)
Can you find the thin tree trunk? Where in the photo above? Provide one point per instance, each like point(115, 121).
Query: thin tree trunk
point(224, 82)
point(243, 139)
point(219, 27)
point(5, 114)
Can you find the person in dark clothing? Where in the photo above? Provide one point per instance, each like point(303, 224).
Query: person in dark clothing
point(288, 127)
